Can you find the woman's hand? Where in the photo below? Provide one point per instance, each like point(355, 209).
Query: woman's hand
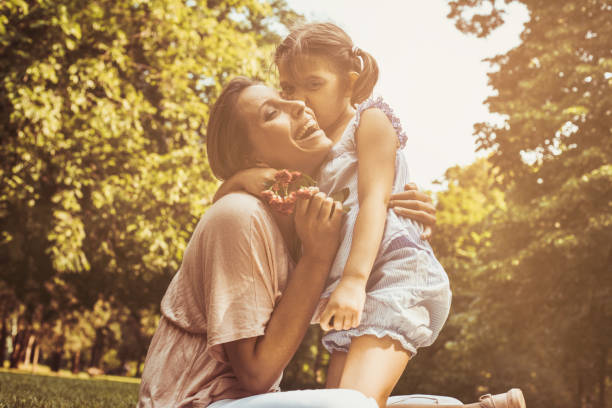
point(345, 305)
point(253, 181)
point(317, 222)
point(415, 204)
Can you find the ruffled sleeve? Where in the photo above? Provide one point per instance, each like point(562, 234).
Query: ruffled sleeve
point(378, 102)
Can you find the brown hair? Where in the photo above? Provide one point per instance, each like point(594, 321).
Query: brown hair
point(227, 142)
point(329, 41)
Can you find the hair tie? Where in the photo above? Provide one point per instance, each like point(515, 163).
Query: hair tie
point(355, 51)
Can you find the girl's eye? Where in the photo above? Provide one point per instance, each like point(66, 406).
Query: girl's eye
point(314, 85)
point(286, 92)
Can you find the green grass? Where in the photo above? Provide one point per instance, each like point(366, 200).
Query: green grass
point(21, 390)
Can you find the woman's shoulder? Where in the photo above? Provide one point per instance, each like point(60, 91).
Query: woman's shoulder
point(236, 211)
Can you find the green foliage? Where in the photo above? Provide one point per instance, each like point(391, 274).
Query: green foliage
point(543, 277)
point(103, 110)
point(34, 391)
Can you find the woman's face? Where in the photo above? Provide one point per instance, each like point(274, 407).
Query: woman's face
point(282, 133)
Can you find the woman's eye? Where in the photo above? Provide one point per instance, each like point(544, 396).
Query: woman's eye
point(270, 114)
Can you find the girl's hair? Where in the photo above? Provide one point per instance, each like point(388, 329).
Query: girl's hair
point(227, 142)
point(329, 41)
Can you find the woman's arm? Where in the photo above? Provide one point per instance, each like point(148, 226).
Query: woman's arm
point(259, 361)
point(415, 204)
point(376, 149)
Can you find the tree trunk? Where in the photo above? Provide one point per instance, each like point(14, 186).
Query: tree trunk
point(603, 362)
point(3, 337)
point(28, 351)
point(19, 348)
point(36, 355)
point(76, 362)
point(138, 364)
point(56, 355)
point(97, 349)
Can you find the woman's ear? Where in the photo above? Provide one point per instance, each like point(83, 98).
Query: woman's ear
point(352, 78)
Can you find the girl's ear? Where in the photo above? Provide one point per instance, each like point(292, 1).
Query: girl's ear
point(352, 78)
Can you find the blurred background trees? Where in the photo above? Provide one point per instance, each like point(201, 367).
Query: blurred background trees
point(103, 107)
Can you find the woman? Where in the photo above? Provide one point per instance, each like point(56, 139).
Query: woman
point(226, 333)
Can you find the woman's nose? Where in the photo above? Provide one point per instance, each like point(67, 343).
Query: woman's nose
point(296, 108)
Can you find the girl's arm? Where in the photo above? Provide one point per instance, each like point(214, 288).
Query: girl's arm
point(376, 147)
point(252, 180)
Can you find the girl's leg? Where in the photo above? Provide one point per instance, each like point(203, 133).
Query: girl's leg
point(373, 366)
point(334, 371)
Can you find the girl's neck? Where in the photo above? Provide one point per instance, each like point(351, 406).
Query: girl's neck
point(336, 129)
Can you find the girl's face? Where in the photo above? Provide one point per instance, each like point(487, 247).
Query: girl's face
point(282, 133)
point(321, 88)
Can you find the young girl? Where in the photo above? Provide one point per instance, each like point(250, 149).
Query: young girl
point(386, 294)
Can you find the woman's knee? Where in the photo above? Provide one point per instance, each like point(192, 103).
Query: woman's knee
point(351, 398)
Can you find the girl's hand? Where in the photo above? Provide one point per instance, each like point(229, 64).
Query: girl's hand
point(317, 222)
point(252, 180)
point(415, 204)
point(343, 311)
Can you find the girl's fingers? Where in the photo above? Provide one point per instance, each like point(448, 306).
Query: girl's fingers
point(325, 318)
point(338, 321)
point(348, 321)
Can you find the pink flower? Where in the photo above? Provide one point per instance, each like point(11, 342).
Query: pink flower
point(283, 176)
point(295, 175)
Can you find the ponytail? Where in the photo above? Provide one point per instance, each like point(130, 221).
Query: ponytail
point(368, 76)
point(332, 43)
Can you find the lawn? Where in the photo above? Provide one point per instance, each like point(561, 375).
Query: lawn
point(23, 390)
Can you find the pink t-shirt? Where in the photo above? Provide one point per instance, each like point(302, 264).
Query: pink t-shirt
point(233, 272)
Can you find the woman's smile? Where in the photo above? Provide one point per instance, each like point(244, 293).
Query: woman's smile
point(282, 133)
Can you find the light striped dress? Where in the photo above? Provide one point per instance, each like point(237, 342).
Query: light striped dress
point(408, 294)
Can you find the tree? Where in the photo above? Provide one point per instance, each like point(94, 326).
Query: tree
point(103, 108)
point(548, 270)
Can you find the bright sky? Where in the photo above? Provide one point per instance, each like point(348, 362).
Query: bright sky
point(430, 73)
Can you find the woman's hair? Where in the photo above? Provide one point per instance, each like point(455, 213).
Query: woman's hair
point(227, 142)
point(329, 41)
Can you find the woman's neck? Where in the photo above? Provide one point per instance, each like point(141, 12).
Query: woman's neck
point(336, 129)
